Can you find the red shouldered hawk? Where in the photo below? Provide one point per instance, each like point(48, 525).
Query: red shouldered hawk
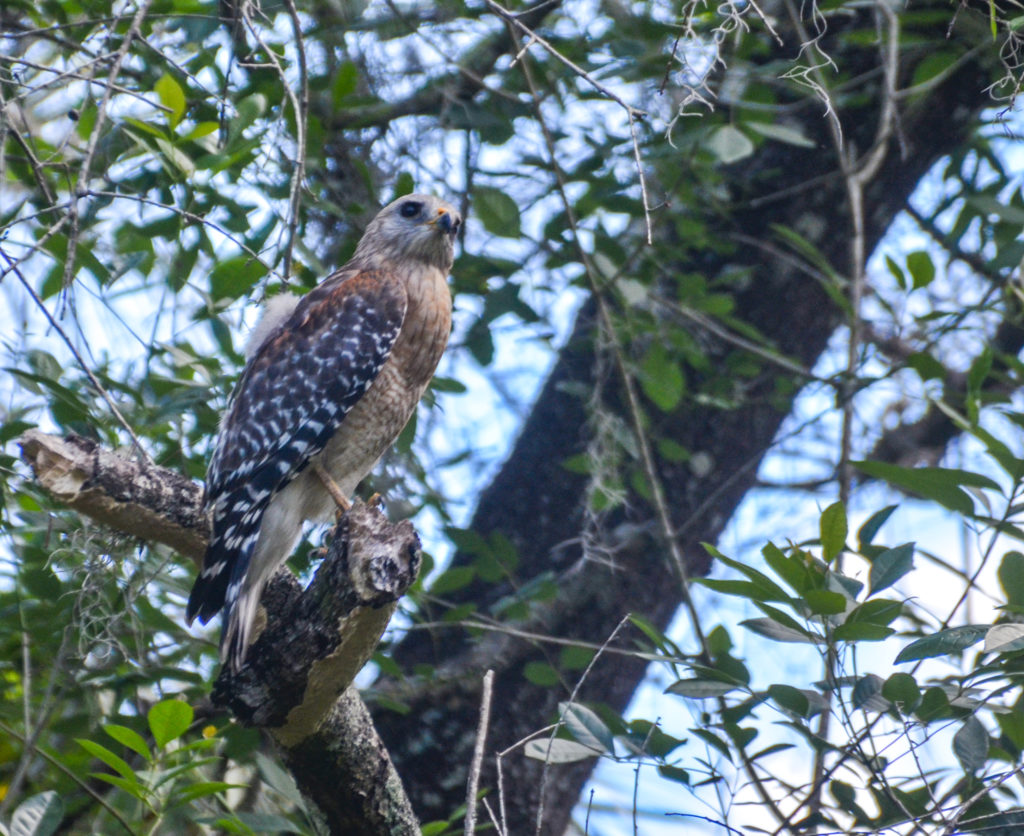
point(330, 381)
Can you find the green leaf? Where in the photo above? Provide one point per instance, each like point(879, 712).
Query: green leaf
point(866, 533)
point(344, 85)
point(674, 773)
point(825, 602)
point(498, 212)
point(714, 741)
point(1004, 638)
point(648, 738)
point(768, 590)
point(855, 631)
point(661, 378)
point(950, 641)
point(558, 751)
point(171, 96)
point(790, 568)
point(132, 786)
point(897, 271)
point(782, 133)
point(970, 745)
point(980, 369)
point(876, 611)
point(833, 527)
point(889, 566)
point(790, 698)
point(586, 727)
point(575, 658)
point(447, 384)
point(921, 268)
point(932, 65)
point(699, 689)
point(541, 673)
point(102, 753)
point(236, 276)
point(146, 128)
point(247, 111)
point(926, 366)
point(730, 144)
point(278, 779)
point(976, 377)
point(37, 815)
point(934, 705)
point(1011, 577)
point(404, 184)
point(902, 689)
point(129, 738)
point(867, 693)
point(990, 205)
point(937, 483)
point(202, 129)
point(169, 720)
point(201, 789)
point(846, 797)
point(740, 589)
point(771, 629)
point(452, 579)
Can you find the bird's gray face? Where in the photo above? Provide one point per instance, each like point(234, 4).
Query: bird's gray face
point(417, 226)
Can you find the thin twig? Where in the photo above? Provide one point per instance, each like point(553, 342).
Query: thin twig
point(632, 113)
point(568, 704)
point(301, 106)
point(514, 20)
point(191, 217)
point(478, 753)
point(494, 820)
point(77, 75)
point(505, 630)
point(75, 353)
point(85, 171)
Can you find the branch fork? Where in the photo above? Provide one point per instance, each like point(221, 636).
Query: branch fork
point(297, 678)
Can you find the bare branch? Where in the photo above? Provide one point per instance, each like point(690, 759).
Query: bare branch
point(478, 753)
point(140, 499)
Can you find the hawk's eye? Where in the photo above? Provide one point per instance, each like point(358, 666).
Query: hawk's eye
point(410, 209)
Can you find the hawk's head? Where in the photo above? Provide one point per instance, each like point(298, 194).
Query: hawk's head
point(417, 226)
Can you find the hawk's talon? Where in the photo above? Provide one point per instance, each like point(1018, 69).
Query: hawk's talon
point(339, 498)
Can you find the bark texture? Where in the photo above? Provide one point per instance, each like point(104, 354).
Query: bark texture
point(150, 502)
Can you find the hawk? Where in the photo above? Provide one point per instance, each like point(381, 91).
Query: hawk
point(330, 380)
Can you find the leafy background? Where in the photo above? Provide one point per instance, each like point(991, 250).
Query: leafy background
point(167, 165)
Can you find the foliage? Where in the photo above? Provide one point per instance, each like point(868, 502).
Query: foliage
point(167, 163)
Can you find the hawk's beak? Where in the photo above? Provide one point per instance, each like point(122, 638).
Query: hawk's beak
point(449, 224)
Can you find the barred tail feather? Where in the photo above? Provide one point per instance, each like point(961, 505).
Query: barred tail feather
point(236, 635)
point(210, 587)
point(219, 586)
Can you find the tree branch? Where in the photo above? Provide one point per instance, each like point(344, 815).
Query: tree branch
point(313, 643)
point(152, 503)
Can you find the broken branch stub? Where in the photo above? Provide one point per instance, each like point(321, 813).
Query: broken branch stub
point(316, 641)
point(141, 499)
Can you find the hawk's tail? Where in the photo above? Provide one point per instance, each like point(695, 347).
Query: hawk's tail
point(239, 616)
point(219, 587)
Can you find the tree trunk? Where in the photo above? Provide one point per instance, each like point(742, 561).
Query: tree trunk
point(538, 504)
